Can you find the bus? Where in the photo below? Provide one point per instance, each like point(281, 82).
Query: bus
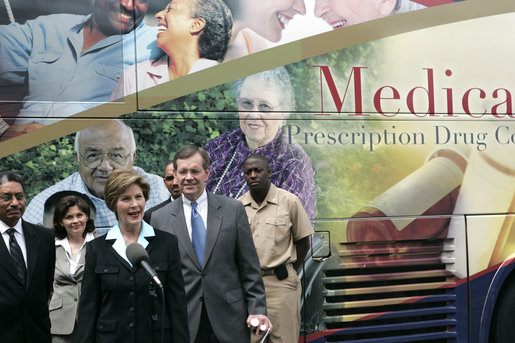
point(408, 125)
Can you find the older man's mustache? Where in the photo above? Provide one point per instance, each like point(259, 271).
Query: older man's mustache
point(101, 173)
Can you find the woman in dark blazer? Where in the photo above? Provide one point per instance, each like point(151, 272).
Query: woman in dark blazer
point(119, 302)
point(73, 228)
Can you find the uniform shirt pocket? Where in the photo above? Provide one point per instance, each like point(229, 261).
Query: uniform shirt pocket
point(45, 57)
point(277, 228)
point(112, 71)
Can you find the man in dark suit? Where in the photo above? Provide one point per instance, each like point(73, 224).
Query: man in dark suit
point(171, 184)
point(222, 276)
point(27, 263)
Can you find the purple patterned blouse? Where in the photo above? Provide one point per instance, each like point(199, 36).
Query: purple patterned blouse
point(290, 165)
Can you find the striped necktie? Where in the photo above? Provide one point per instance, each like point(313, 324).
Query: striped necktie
point(17, 255)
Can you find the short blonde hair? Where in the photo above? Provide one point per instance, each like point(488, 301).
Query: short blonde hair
point(118, 182)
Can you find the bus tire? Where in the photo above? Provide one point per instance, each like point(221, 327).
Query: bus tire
point(501, 330)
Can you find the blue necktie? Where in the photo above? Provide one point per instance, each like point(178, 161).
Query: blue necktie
point(198, 233)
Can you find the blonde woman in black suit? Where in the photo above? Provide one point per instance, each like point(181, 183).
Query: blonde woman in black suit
point(119, 302)
point(73, 228)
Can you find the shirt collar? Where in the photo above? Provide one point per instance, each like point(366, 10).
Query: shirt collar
point(119, 243)
point(66, 244)
point(159, 67)
point(82, 24)
point(109, 40)
point(4, 227)
point(271, 197)
point(200, 201)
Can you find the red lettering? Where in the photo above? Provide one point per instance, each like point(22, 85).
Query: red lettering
point(430, 95)
point(465, 101)
point(378, 98)
point(450, 109)
point(358, 100)
point(507, 101)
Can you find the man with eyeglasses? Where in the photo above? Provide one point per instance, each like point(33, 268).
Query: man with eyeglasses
point(98, 151)
point(172, 185)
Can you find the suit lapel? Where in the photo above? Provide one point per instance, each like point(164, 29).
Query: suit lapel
point(7, 262)
point(178, 225)
point(214, 223)
point(32, 245)
point(124, 263)
point(150, 244)
point(61, 262)
point(80, 267)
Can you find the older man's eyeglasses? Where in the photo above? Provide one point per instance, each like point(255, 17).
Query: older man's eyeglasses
point(262, 106)
point(94, 159)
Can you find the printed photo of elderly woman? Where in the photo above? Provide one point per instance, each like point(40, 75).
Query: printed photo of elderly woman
point(264, 102)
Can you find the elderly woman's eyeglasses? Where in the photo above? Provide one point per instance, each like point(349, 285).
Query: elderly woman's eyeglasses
point(262, 106)
point(94, 159)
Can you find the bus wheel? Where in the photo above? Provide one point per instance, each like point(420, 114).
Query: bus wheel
point(501, 330)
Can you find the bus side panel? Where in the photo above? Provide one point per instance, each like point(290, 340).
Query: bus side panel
point(491, 241)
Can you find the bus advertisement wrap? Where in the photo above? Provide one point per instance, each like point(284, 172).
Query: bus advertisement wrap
point(401, 150)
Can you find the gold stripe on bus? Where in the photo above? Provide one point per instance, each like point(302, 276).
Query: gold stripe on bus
point(388, 276)
point(366, 303)
point(387, 289)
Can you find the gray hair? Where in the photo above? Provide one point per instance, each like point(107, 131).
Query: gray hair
point(277, 78)
point(8, 176)
point(216, 35)
point(131, 135)
point(234, 6)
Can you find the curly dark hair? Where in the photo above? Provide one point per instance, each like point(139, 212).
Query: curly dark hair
point(62, 208)
point(216, 35)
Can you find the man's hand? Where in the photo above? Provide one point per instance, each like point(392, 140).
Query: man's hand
point(263, 320)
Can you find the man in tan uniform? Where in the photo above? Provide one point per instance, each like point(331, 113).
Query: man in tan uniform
point(281, 230)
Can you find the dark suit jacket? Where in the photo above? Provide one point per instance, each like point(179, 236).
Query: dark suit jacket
point(24, 310)
point(230, 284)
point(116, 304)
point(148, 213)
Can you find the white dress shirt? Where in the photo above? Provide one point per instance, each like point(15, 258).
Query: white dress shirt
point(20, 237)
point(65, 243)
point(201, 209)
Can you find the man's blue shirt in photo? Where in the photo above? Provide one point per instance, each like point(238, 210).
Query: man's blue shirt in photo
point(47, 53)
